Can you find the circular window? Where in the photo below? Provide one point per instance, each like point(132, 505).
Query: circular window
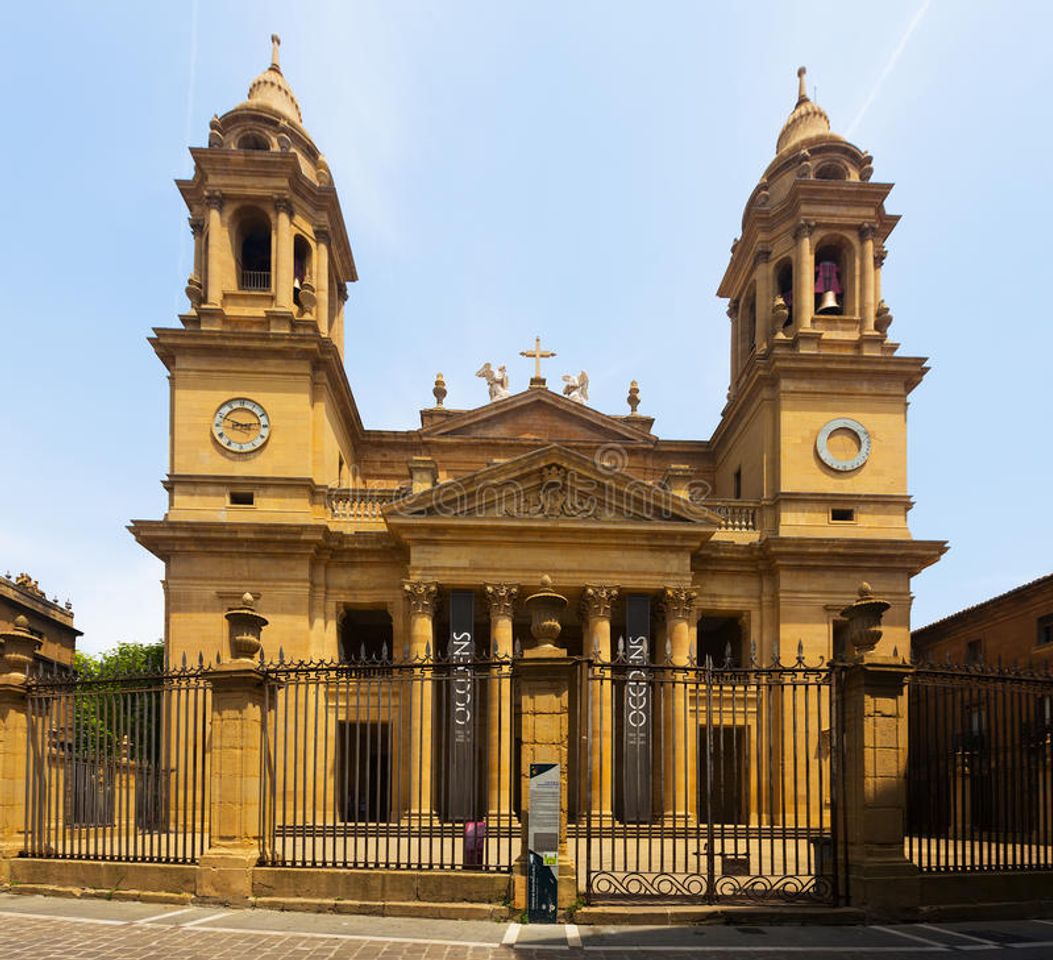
point(843, 444)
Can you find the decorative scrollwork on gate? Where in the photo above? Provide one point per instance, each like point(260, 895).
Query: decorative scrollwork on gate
point(762, 889)
point(610, 884)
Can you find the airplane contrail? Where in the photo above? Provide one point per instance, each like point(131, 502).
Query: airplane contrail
point(900, 47)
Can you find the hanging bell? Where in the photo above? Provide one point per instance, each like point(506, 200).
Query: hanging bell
point(828, 303)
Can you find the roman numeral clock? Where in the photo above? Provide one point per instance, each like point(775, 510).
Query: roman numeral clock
point(241, 425)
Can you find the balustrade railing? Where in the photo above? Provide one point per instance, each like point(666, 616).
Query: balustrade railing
point(255, 280)
point(363, 503)
point(735, 514)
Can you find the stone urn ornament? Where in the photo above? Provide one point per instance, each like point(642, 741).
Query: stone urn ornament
point(864, 621)
point(246, 629)
point(545, 608)
point(18, 646)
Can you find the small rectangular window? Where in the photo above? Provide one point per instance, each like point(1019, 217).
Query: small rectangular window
point(842, 514)
point(974, 651)
point(242, 498)
point(738, 484)
point(1045, 629)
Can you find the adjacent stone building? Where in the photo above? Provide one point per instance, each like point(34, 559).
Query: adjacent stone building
point(48, 620)
point(1014, 627)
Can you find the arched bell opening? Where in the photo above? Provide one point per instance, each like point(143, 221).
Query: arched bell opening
point(253, 245)
point(301, 268)
point(831, 170)
point(784, 290)
point(253, 141)
point(831, 278)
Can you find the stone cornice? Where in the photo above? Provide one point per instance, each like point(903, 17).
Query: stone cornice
point(827, 552)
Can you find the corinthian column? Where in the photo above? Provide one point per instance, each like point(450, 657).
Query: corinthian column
point(502, 598)
point(321, 279)
point(596, 602)
point(213, 280)
point(282, 268)
point(680, 723)
point(417, 700)
point(804, 277)
point(868, 305)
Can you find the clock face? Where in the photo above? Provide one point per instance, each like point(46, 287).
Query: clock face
point(843, 444)
point(241, 425)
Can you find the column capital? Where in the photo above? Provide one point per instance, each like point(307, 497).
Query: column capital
point(502, 598)
point(762, 255)
point(321, 235)
point(733, 308)
point(596, 601)
point(341, 291)
point(803, 229)
point(678, 603)
point(880, 253)
point(867, 231)
point(197, 226)
point(421, 596)
point(214, 200)
point(282, 203)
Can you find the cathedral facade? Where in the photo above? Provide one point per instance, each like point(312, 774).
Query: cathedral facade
point(350, 538)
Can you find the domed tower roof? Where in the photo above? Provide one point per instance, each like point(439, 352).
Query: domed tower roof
point(807, 121)
point(271, 89)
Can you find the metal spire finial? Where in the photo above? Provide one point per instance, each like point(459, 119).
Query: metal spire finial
point(802, 93)
point(276, 42)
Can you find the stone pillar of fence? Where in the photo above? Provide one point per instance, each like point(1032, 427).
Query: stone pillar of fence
point(874, 703)
point(17, 647)
point(238, 716)
point(544, 704)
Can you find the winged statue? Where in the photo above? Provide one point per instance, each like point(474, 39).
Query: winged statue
point(576, 388)
point(497, 380)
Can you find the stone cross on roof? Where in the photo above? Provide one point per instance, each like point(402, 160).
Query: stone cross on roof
point(538, 354)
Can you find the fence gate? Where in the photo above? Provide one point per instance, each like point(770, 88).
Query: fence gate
point(706, 783)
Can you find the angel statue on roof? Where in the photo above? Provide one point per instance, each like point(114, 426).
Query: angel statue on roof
point(576, 388)
point(496, 381)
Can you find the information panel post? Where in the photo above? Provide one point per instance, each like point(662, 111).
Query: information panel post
point(543, 843)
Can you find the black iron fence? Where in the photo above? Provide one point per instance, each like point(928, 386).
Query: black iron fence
point(118, 769)
point(707, 781)
point(980, 768)
point(395, 765)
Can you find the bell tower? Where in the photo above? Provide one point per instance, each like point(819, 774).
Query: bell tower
point(815, 427)
point(270, 249)
point(805, 275)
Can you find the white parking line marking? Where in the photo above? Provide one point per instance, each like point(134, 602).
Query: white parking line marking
point(165, 916)
point(204, 919)
point(25, 914)
point(511, 935)
point(964, 936)
point(573, 937)
point(909, 936)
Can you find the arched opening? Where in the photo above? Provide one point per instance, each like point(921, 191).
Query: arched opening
point(301, 265)
point(254, 251)
point(830, 278)
point(831, 171)
point(784, 289)
point(253, 141)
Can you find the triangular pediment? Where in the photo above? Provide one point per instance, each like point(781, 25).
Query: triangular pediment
point(539, 414)
point(553, 484)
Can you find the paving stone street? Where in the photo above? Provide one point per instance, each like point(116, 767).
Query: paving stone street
point(66, 929)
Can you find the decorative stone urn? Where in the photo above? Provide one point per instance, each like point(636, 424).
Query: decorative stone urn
point(545, 608)
point(18, 646)
point(246, 629)
point(864, 621)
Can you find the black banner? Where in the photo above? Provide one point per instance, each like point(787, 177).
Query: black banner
point(637, 710)
point(462, 709)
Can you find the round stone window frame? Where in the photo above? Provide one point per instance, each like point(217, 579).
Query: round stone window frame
point(822, 444)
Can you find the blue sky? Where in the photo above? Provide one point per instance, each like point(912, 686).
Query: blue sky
point(573, 169)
